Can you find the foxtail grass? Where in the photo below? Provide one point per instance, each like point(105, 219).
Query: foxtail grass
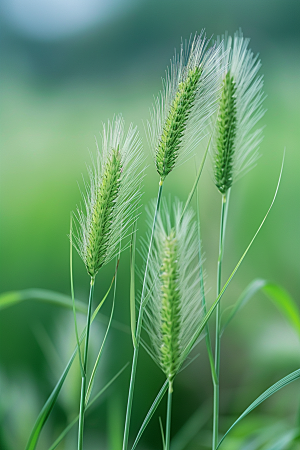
point(219, 84)
point(226, 133)
point(235, 150)
point(112, 197)
point(111, 208)
point(182, 111)
point(174, 307)
point(178, 122)
point(236, 136)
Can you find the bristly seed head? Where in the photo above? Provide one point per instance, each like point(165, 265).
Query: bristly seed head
point(112, 198)
point(182, 111)
point(101, 219)
point(226, 132)
point(170, 307)
point(236, 139)
point(174, 307)
point(174, 128)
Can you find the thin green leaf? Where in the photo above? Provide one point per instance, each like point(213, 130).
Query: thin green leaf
point(73, 299)
point(197, 333)
point(284, 302)
point(162, 432)
point(47, 408)
point(132, 286)
point(197, 179)
point(68, 428)
point(207, 333)
point(107, 293)
point(11, 298)
point(272, 390)
point(246, 295)
point(274, 292)
point(151, 412)
point(91, 382)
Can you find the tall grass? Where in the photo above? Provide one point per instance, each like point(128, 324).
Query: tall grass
point(212, 90)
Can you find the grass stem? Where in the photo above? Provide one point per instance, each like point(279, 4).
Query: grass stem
point(83, 379)
point(73, 298)
point(169, 411)
point(138, 330)
point(218, 325)
point(207, 333)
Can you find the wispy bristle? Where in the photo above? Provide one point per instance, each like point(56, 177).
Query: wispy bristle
point(112, 198)
point(102, 214)
point(176, 122)
point(181, 112)
point(237, 119)
point(174, 306)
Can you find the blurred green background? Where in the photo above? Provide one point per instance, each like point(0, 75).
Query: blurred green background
point(66, 68)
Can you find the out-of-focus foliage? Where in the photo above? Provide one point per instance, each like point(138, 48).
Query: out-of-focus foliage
point(55, 94)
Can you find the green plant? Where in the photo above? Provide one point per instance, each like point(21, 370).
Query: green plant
point(214, 90)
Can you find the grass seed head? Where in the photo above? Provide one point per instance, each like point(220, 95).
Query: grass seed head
point(174, 307)
point(176, 122)
point(170, 306)
point(102, 214)
point(236, 138)
point(182, 110)
point(112, 197)
point(226, 132)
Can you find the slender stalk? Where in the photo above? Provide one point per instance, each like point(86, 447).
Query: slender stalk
point(138, 329)
point(73, 298)
point(207, 333)
point(83, 379)
point(169, 410)
point(197, 179)
point(218, 326)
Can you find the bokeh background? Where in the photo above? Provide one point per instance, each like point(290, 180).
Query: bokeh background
point(66, 68)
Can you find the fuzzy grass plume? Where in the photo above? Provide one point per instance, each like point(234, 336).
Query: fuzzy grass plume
point(183, 108)
point(112, 197)
point(174, 306)
point(236, 140)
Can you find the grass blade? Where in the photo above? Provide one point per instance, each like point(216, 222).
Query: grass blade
point(247, 294)
point(162, 433)
point(151, 412)
point(272, 390)
point(48, 406)
point(207, 332)
point(197, 333)
point(197, 178)
point(11, 298)
point(68, 428)
point(132, 286)
point(73, 299)
point(91, 382)
point(106, 295)
point(274, 292)
point(284, 302)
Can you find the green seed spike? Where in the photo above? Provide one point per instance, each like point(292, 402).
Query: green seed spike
point(175, 125)
point(170, 307)
point(226, 132)
point(101, 219)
